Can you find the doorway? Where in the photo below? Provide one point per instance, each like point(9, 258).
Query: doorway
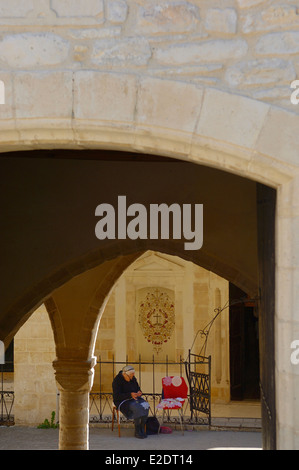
point(244, 346)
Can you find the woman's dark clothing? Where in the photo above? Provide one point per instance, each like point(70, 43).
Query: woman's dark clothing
point(122, 390)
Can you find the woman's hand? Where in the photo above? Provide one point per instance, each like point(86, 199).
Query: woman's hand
point(136, 395)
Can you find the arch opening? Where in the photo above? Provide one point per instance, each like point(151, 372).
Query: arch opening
point(50, 196)
point(66, 246)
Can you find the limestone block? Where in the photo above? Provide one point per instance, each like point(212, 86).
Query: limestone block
point(6, 108)
point(293, 240)
point(287, 333)
point(104, 96)
point(274, 18)
point(272, 93)
point(232, 119)
point(207, 51)
point(80, 53)
point(167, 104)
point(22, 356)
point(275, 142)
point(249, 3)
point(221, 20)
point(95, 33)
point(116, 11)
point(43, 94)
point(278, 43)
point(106, 344)
point(121, 52)
point(195, 71)
point(15, 8)
point(167, 17)
point(78, 8)
point(38, 345)
point(285, 277)
point(27, 50)
point(260, 72)
point(278, 14)
point(250, 22)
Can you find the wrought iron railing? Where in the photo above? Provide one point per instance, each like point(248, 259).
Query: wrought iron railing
point(151, 372)
point(198, 371)
point(101, 399)
point(6, 399)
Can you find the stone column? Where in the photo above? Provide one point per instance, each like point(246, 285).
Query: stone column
point(188, 308)
point(74, 380)
point(287, 315)
point(120, 320)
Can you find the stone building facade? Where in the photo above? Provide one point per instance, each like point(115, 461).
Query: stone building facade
point(204, 82)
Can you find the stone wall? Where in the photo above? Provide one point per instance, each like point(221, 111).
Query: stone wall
point(248, 47)
point(34, 381)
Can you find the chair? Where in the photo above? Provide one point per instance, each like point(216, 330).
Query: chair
point(116, 410)
point(175, 392)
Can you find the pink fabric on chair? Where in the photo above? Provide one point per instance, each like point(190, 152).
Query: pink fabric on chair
point(174, 387)
point(175, 392)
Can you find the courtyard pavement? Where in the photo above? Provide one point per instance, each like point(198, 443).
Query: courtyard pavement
point(30, 438)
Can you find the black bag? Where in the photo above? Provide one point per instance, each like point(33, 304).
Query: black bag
point(152, 426)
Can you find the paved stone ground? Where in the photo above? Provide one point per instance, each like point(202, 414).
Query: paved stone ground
point(26, 438)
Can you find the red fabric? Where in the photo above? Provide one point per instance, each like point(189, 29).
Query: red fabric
point(175, 392)
point(172, 388)
point(165, 430)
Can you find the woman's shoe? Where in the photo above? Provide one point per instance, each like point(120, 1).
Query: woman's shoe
point(143, 427)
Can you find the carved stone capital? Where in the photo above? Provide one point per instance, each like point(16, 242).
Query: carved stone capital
point(74, 375)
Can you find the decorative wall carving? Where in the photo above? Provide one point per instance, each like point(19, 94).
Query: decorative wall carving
point(156, 317)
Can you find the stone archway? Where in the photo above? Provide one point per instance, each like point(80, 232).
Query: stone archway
point(245, 142)
point(75, 316)
point(30, 196)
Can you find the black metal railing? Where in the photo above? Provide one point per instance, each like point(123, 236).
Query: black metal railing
point(6, 397)
point(149, 375)
point(196, 410)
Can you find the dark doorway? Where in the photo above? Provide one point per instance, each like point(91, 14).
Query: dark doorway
point(244, 347)
point(8, 366)
point(266, 211)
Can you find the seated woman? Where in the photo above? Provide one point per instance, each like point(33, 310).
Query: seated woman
point(127, 398)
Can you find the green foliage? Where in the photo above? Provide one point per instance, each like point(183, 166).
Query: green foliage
point(47, 424)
